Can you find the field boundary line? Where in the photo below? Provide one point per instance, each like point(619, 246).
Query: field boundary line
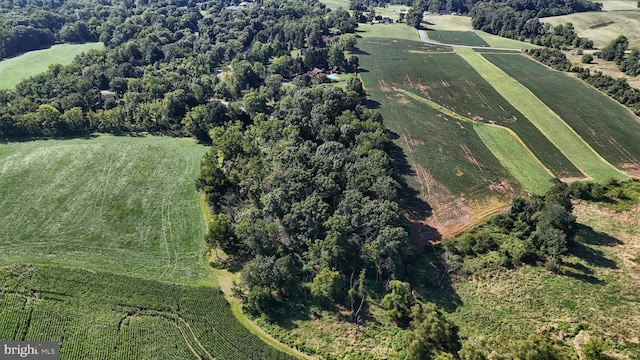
point(527, 179)
point(564, 137)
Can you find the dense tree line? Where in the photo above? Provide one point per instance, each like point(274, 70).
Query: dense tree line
point(163, 60)
point(307, 192)
point(619, 89)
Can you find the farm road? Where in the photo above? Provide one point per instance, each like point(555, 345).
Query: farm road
point(424, 38)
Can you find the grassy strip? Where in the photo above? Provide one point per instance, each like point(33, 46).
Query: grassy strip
point(16, 69)
point(506, 147)
point(438, 74)
point(225, 280)
point(502, 42)
point(549, 123)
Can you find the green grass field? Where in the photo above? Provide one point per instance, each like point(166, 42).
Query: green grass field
point(16, 69)
point(121, 204)
point(505, 145)
point(604, 26)
point(390, 31)
point(105, 316)
point(561, 135)
point(608, 127)
point(457, 37)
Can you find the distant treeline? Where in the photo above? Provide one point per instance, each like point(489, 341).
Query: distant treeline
point(619, 89)
point(164, 60)
point(516, 19)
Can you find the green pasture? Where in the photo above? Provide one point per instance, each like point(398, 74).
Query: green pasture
point(549, 123)
point(334, 4)
point(468, 38)
point(126, 205)
point(446, 79)
point(505, 145)
point(448, 22)
point(95, 315)
point(389, 31)
point(604, 26)
point(608, 127)
point(15, 69)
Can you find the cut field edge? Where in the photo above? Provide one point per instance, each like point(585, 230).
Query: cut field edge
point(533, 186)
point(466, 53)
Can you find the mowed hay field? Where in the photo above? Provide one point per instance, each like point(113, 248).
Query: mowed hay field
point(18, 68)
point(608, 127)
point(105, 316)
point(119, 204)
point(438, 74)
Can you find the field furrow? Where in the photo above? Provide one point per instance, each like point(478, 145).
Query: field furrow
point(549, 123)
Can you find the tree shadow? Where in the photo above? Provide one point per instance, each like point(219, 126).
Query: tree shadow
point(362, 70)
point(434, 278)
point(592, 237)
point(591, 256)
point(28, 138)
point(586, 235)
point(372, 104)
point(416, 207)
point(287, 313)
point(583, 277)
point(357, 51)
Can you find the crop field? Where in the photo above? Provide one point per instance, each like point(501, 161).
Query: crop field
point(106, 316)
point(443, 157)
point(604, 26)
point(608, 127)
point(16, 69)
point(457, 37)
point(445, 78)
point(505, 145)
point(121, 204)
point(599, 281)
point(553, 126)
